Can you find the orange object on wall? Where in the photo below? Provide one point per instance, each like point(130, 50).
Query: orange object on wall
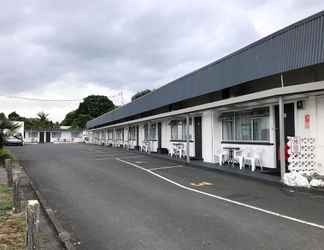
point(307, 121)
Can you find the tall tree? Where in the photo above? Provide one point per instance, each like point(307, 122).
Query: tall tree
point(13, 116)
point(141, 93)
point(91, 107)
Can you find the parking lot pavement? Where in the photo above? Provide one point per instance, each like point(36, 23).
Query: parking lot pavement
point(115, 199)
point(279, 199)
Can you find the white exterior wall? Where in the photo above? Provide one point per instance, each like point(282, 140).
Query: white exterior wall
point(166, 133)
point(30, 139)
point(313, 106)
point(217, 133)
point(207, 136)
point(66, 136)
point(141, 135)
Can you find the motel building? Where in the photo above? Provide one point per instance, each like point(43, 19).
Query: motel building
point(258, 110)
point(64, 134)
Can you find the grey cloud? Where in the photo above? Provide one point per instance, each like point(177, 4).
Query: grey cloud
point(133, 44)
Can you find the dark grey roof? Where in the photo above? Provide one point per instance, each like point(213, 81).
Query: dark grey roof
point(296, 46)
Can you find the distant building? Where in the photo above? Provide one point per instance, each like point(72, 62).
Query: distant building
point(63, 134)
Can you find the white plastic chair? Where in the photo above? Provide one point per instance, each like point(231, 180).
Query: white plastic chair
point(239, 156)
point(145, 147)
point(253, 159)
point(175, 151)
point(180, 150)
point(221, 156)
point(172, 151)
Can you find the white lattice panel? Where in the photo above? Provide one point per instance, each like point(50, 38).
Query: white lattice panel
point(301, 154)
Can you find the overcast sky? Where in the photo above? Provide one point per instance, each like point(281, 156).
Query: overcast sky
point(53, 49)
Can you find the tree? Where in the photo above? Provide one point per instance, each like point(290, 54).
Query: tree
point(13, 116)
point(69, 118)
point(81, 120)
point(95, 105)
point(91, 107)
point(141, 93)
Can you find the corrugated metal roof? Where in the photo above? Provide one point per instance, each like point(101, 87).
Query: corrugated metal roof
point(296, 46)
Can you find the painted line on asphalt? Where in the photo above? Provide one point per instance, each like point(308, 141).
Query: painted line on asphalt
point(106, 158)
point(226, 199)
point(132, 156)
point(168, 167)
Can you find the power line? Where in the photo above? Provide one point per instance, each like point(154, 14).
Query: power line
point(39, 99)
point(52, 100)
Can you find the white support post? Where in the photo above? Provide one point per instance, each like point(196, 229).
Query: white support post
point(282, 137)
point(187, 139)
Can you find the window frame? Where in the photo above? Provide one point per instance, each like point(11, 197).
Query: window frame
point(252, 115)
point(180, 127)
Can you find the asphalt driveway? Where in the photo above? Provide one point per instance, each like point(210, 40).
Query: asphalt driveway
point(113, 199)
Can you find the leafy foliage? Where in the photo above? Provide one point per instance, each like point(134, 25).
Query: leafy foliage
point(5, 123)
point(13, 116)
point(141, 93)
point(41, 121)
point(91, 107)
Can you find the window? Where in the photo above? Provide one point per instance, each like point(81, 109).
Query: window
point(75, 134)
point(150, 134)
point(120, 134)
point(110, 134)
point(153, 132)
point(243, 126)
point(32, 134)
point(228, 129)
point(56, 134)
point(146, 132)
point(178, 130)
point(132, 133)
point(261, 130)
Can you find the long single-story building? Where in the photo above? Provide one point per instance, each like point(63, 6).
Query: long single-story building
point(243, 108)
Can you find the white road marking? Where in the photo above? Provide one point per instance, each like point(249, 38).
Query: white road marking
point(226, 199)
point(106, 158)
point(132, 156)
point(161, 168)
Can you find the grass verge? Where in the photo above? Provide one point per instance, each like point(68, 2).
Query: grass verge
point(12, 226)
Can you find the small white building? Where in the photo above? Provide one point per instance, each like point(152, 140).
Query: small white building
point(53, 135)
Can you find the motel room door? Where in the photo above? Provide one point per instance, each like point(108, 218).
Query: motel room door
point(41, 137)
point(48, 137)
point(159, 135)
point(198, 138)
point(289, 110)
point(137, 136)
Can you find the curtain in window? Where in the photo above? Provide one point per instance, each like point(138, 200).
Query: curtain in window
point(228, 130)
point(252, 125)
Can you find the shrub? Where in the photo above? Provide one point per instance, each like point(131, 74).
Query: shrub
point(5, 154)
